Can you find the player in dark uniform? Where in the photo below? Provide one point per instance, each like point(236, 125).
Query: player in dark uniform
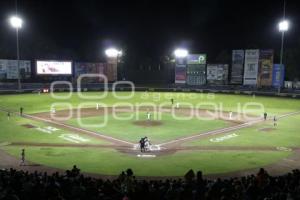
point(22, 158)
point(172, 101)
point(8, 115)
point(142, 144)
point(265, 116)
point(275, 121)
point(21, 111)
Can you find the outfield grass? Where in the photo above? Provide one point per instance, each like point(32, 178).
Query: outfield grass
point(127, 130)
point(34, 103)
point(285, 134)
point(111, 162)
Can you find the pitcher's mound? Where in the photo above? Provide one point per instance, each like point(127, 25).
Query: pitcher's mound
point(147, 123)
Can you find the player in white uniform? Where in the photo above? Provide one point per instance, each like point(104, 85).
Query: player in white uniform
point(53, 111)
point(230, 115)
point(148, 115)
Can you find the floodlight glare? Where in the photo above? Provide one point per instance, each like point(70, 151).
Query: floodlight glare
point(181, 53)
point(283, 26)
point(113, 53)
point(16, 22)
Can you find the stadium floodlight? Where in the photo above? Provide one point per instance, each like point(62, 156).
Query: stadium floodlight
point(113, 53)
point(283, 26)
point(16, 22)
point(181, 53)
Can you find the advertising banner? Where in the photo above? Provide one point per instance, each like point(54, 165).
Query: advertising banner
point(217, 74)
point(251, 66)
point(112, 69)
point(9, 69)
point(3, 70)
point(111, 72)
point(196, 59)
point(90, 68)
point(180, 74)
point(278, 75)
point(265, 69)
point(45, 67)
point(237, 68)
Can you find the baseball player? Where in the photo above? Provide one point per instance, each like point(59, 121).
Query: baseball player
point(21, 111)
point(22, 157)
point(275, 121)
point(148, 115)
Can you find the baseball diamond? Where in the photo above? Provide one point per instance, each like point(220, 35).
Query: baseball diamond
point(208, 132)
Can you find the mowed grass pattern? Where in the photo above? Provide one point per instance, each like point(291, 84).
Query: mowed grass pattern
point(170, 128)
point(110, 161)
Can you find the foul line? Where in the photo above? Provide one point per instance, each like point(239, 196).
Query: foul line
point(71, 127)
point(224, 130)
point(79, 129)
point(214, 132)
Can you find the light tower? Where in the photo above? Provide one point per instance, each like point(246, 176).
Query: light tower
point(16, 22)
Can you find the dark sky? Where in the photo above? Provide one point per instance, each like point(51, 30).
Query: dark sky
point(81, 29)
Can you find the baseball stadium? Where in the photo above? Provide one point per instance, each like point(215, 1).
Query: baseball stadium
point(131, 100)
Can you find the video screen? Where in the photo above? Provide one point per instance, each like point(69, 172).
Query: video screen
point(53, 67)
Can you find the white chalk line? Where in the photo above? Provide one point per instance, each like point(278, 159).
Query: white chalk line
point(71, 127)
point(79, 129)
point(224, 130)
point(214, 132)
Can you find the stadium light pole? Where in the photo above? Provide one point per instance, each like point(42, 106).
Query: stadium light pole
point(16, 22)
point(283, 26)
point(115, 54)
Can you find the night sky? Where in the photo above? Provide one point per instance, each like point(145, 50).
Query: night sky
point(81, 29)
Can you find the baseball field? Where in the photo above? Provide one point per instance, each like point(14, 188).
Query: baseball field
point(214, 133)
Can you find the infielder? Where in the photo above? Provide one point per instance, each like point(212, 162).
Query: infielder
point(265, 116)
point(275, 121)
point(230, 115)
point(172, 101)
point(148, 115)
point(21, 111)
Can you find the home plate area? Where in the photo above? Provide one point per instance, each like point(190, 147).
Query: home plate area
point(152, 148)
